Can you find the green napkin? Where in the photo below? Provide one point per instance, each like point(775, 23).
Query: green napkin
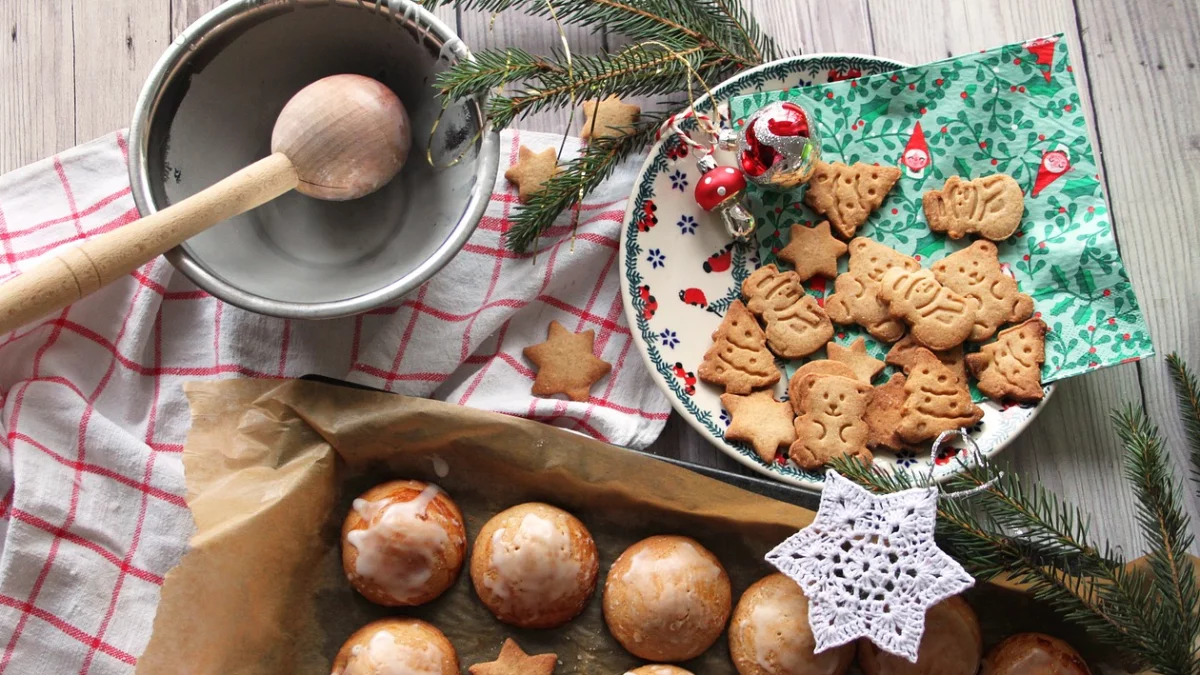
point(1014, 109)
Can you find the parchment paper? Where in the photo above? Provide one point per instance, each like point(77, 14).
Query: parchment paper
point(272, 468)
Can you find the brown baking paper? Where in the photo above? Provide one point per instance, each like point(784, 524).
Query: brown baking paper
point(272, 469)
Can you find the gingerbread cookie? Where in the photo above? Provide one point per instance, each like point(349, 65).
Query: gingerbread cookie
point(903, 352)
point(848, 194)
point(609, 118)
point(813, 251)
point(796, 324)
point(938, 317)
point(514, 661)
point(531, 171)
point(856, 293)
point(566, 363)
point(832, 423)
point(937, 401)
point(990, 206)
point(855, 356)
point(738, 357)
point(761, 421)
point(883, 414)
point(1011, 367)
point(799, 384)
point(975, 272)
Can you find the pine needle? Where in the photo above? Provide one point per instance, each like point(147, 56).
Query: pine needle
point(1165, 527)
point(1187, 391)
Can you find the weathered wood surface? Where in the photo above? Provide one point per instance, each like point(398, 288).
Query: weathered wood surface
point(71, 70)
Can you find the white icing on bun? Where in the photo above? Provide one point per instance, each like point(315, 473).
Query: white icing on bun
point(769, 633)
point(396, 647)
point(534, 566)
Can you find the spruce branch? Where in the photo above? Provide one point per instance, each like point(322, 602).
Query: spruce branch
point(1165, 528)
point(595, 163)
point(1187, 391)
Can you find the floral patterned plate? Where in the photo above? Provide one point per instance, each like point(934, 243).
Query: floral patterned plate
point(680, 273)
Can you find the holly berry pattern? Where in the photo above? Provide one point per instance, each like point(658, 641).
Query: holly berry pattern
point(1015, 110)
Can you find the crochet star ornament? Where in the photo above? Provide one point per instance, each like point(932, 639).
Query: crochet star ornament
point(870, 567)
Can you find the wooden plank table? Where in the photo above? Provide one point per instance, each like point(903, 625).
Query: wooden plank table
point(71, 69)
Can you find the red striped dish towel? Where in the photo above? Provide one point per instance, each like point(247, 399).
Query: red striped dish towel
point(93, 418)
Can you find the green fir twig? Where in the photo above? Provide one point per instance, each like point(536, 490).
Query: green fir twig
point(1187, 391)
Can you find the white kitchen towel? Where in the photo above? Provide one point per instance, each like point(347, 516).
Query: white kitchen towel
point(93, 418)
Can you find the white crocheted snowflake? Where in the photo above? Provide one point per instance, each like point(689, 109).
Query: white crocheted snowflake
point(870, 567)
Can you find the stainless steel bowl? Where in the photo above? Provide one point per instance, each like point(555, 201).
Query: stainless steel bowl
point(208, 109)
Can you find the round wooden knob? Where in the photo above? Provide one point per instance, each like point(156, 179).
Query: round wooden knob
point(346, 135)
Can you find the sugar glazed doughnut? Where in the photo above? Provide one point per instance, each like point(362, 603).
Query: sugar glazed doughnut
point(534, 566)
point(396, 647)
point(666, 598)
point(403, 543)
point(952, 645)
point(770, 635)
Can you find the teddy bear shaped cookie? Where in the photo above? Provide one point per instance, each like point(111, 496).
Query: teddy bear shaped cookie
point(832, 422)
point(975, 272)
point(856, 292)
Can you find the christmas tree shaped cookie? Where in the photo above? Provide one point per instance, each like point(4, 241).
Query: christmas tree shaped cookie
point(937, 401)
point(796, 324)
point(856, 293)
point(1011, 367)
point(739, 359)
point(848, 194)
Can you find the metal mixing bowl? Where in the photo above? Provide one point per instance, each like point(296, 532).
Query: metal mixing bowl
point(208, 109)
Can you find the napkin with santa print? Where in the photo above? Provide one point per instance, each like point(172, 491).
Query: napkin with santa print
point(1016, 110)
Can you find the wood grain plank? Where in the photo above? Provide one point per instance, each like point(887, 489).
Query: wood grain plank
point(116, 43)
point(37, 100)
point(1144, 61)
point(482, 30)
point(816, 26)
point(1071, 448)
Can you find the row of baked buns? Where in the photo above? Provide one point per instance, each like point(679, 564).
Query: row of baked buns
point(667, 599)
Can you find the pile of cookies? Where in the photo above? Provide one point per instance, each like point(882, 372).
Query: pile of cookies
point(667, 599)
point(835, 408)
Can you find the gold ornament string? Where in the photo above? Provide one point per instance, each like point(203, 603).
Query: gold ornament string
point(702, 120)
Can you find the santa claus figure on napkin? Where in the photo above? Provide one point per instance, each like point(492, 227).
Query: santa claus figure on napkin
point(916, 153)
point(1054, 164)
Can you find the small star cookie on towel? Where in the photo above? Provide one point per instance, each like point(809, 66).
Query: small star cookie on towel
point(612, 118)
point(761, 421)
point(566, 364)
point(514, 661)
point(531, 171)
point(813, 250)
point(855, 356)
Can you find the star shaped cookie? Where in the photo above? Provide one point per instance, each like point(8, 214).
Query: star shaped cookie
point(613, 118)
point(813, 251)
point(761, 421)
point(514, 661)
point(531, 171)
point(864, 366)
point(566, 364)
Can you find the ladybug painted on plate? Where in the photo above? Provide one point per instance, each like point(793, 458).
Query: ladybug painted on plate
point(647, 220)
point(650, 305)
point(945, 454)
point(721, 260)
point(677, 150)
point(694, 297)
point(688, 377)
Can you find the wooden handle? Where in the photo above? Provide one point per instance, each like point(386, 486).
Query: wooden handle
point(82, 270)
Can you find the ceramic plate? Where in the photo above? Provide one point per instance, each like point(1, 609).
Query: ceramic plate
point(679, 274)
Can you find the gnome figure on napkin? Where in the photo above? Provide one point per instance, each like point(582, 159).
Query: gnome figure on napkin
point(1054, 164)
point(916, 154)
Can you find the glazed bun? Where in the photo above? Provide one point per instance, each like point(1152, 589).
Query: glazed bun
point(769, 633)
point(659, 670)
point(1030, 653)
point(396, 646)
point(403, 543)
point(534, 566)
point(666, 599)
point(952, 645)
